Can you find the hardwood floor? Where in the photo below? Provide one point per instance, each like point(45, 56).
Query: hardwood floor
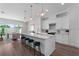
point(65, 50)
point(15, 48)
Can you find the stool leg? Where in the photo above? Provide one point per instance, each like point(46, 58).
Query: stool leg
point(27, 44)
point(30, 46)
point(34, 50)
point(39, 50)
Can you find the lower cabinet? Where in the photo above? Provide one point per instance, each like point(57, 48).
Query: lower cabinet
point(62, 38)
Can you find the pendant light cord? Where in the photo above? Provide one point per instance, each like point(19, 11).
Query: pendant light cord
point(42, 7)
point(31, 10)
point(24, 14)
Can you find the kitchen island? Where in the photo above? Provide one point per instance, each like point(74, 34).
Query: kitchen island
point(47, 42)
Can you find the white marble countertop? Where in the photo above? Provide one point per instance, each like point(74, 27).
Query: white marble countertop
point(38, 35)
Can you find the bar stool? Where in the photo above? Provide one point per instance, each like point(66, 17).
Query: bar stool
point(30, 42)
point(37, 44)
point(23, 39)
point(27, 39)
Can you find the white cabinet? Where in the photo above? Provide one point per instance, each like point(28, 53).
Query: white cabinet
point(74, 30)
point(62, 23)
point(62, 37)
point(45, 24)
point(58, 23)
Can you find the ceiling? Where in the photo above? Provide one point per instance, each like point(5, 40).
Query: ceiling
point(18, 11)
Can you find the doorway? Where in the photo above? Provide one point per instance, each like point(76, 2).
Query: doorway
point(6, 31)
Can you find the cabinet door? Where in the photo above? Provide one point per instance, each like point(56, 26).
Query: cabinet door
point(58, 23)
point(62, 37)
point(45, 24)
point(74, 30)
point(62, 23)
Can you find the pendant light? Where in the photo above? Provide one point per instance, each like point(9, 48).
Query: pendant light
point(24, 14)
point(31, 12)
point(42, 12)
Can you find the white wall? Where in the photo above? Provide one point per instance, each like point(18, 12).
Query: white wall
point(74, 27)
point(24, 27)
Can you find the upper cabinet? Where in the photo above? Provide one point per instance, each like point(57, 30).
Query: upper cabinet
point(62, 20)
point(62, 14)
point(45, 24)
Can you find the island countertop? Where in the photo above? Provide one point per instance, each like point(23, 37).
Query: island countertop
point(38, 35)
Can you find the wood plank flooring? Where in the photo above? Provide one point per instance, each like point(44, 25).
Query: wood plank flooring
point(65, 50)
point(15, 48)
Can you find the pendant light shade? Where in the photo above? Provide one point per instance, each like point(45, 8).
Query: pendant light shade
point(24, 15)
point(42, 12)
point(31, 12)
